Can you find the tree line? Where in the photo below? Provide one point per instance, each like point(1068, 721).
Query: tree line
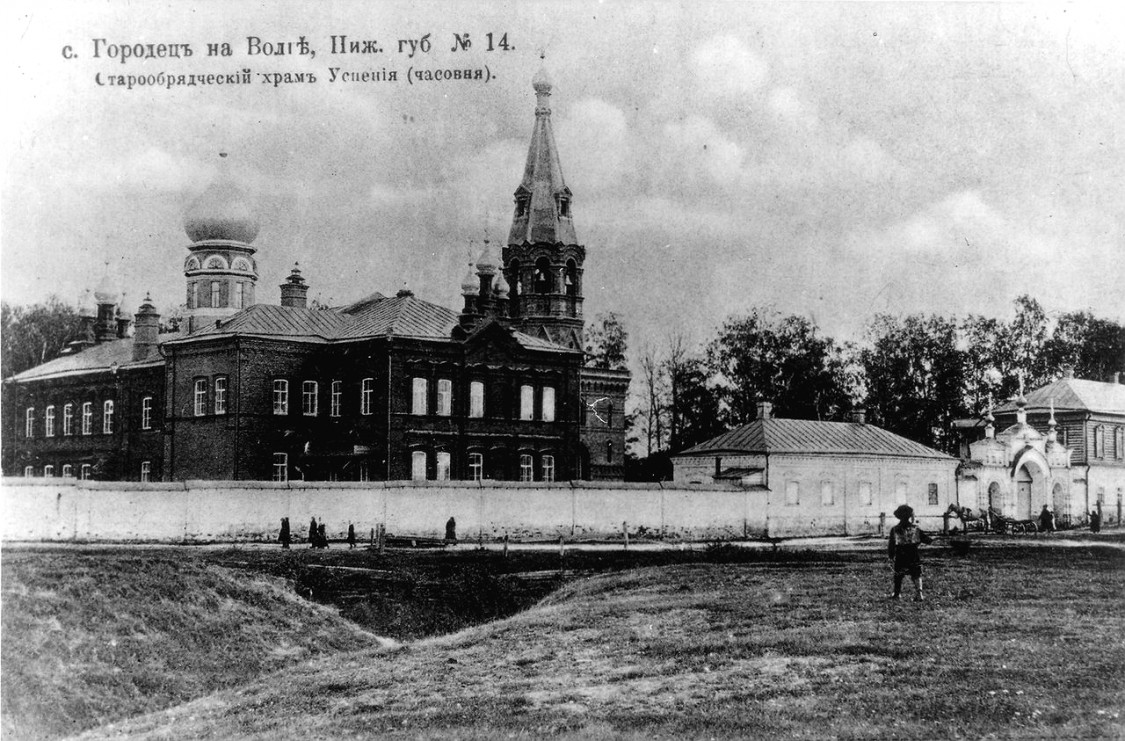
point(913, 374)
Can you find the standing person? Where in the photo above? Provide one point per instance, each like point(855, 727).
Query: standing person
point(451, 530)
point(1046, 520)
point(902, 548)
point(322, 537)
point(351, 535)
point(1095, 521)
point(284, 536)
point(313, 532)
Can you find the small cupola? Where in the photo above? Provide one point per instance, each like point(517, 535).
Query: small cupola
point(294, 291)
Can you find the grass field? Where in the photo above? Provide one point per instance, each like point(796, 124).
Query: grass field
point(1015, 642)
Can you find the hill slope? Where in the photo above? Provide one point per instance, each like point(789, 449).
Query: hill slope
point(89, 638)
point(1012, 644)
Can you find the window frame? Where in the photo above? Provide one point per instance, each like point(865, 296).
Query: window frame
point(67, 471)
point(443, 465)
point(68, 420)
point(29, 423)
point(792, 493)
point(335, 398)
point(146, 413)
point(547, 467)
point(869, 498)
point(476, 399)
point(366, 396)
point(49, 421)
point(527, 467)
point(29, 472)
point(219, 402)
point(199, 397)
point(281, 397)
point(547, 411)
point(310, 398)
point(933, 496)
point(48, 471)
point(827, 493)
point(86, 472)
point(419, 396)
point(87, 418)
point(216, 295)
point(280, 467)
point(146, 471)
point(444, 406)
point(107, 417)
point(527, 402)
point(476, 466)
point(418, 465)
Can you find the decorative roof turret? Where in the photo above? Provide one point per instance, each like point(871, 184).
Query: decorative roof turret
point(221, 212)
point(487, 264)
point(105, 293)
point(501, 286)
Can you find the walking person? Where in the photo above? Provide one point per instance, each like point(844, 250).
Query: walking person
point(1046, 520)
point(313, 533)
point(284, 536)
point(351, 535)
point(902, 549)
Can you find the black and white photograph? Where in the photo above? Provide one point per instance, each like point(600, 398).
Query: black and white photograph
point(578, 369)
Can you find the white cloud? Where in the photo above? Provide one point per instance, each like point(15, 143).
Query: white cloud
point(594, 145)
point(725, 66)
point(787, 105)
point(702, 148)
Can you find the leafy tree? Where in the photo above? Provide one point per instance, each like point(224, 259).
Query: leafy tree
point(915, 377)
point(1093, 347)
point(32, 335)
point(606, 342)
point(652, 410)
point(693, 403)
point(767, 357)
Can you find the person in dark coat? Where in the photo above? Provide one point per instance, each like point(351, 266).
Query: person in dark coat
point(1046, 520)
point(1095, 521)
point(313, 533)
point(451, 530)
point(322, 537)
point(902, 548)
point(351, 535)
point(284, 536)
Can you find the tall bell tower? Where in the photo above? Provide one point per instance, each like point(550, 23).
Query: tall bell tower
point(543, 260)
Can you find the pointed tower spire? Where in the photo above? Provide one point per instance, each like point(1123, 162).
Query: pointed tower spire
point(542, 261)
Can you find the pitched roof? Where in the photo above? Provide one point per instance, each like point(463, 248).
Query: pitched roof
point(267, 320)
point(97, 358)
point(809, 436)
point(1070, 394)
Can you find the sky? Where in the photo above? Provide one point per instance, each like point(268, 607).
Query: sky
point(831, 160)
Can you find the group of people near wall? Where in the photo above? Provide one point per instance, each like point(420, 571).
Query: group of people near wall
point(317, 537)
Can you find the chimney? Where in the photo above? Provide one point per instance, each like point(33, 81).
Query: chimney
point(294, 291)
point(765, 410)
point(147, 328)
point(858, 416)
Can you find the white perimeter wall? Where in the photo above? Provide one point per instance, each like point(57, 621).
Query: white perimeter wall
point(65, 509)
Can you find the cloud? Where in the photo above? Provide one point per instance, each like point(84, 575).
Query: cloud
point(595, 146)
point(789, 108)
point(698, 146)
point(725, 66)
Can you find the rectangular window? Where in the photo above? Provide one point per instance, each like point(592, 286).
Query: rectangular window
point(146, 470)
point(366, 394)
point(238, 295)
point(86, 472)
point(48, 471)
point(443, 466)
point(309, 393)
point(146, 413)
point(194, 302)
point(29, 423)
point(548, 466)
point(931, 494)
point(336, 393)
point(900, 493)
point(87, 418)
point(1099, 442)
point(28, 471)
point(200, 397)
point(444, 397)
point(827, 493)
point(527, 468)
point(49, 422)
point(476, 399)
point(548, 413)
point(214, 294)
point(1119, 443)
point(280, 396)
point(476, 466)
point(527, 402)
point(792, 492)
point(107, 417)
point(68, 420)
point(418, 465)
point(865, 492)
point(67, 471)
point(364, 471)
point(221, 395)
point(418, 399)
point(281, 467)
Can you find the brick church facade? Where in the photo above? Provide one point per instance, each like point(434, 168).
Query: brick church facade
point(385, 388)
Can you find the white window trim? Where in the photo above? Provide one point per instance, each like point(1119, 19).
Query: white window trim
point(366, 396)
point(87, 418)
point(281, 467)
point(107, 417)
point(476, 399)
point(527, 467)
point(335, 397)
point(547, 413)
point(146, 470)
point(444, 465)
point(418, 464)
point(547, 466)
point(476, 466)
point(199, 397)
point(146, 413)
point(444, 397)
point(527, 403)
point(310, 398)
point(68, 420)
point(419, 401)
point(280, 396)
point(29, 423)
point(49, 421)
point(220, 386)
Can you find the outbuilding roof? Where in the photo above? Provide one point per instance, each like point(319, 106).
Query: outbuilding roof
point(1074, 394)
point(813, 437)
point(106, 356)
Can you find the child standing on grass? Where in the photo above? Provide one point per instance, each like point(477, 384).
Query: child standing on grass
point(902, 548)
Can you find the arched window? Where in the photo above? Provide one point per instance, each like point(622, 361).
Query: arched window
point(527, 468)
point(543, 282)
point(571, 279)
point(442, 466)
point(68, 420)
point(513, 278)
point(215, 295)
point(418, 465)
point(476, 466)
point(49, 422)
point(107, 417)
point(523, 203)
point(547, 466)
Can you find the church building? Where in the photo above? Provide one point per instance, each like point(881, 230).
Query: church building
point(384, 388)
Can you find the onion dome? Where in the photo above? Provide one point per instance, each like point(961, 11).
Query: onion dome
point(470, 286)
point(121, 313)
point(541, 82)
point(501, 288)
point(105, 293)
point(221, 212)
point(487, 264)
point(85, 307)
